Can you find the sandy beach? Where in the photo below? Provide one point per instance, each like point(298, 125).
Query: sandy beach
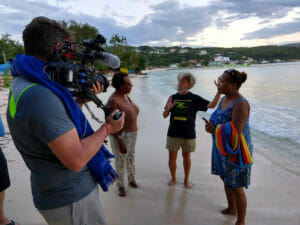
point(273, 196)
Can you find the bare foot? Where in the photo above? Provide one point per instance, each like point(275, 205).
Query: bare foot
point(239, 223)
point(188, 185)
point(10, 222)
point(5, 220)
point(172, 182)
point(228, 211)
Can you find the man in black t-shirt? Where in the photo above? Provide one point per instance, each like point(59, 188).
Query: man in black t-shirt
point(181, 133)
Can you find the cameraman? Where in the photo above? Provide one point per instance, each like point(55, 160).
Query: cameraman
point(52, 134)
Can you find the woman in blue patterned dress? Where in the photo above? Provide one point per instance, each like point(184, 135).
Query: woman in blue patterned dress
point(235, 108)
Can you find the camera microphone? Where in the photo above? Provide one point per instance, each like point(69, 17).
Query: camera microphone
point(110, 60)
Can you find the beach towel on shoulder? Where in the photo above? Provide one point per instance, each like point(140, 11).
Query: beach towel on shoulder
point(233, 146)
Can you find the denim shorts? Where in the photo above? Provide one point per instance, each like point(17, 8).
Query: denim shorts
point(187, 145)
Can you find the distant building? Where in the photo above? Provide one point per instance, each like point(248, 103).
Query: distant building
point(156, 51)
point(183, 50)
point(265, 61)
point(173, 66)
point(221, 59)
point(193, 61)
point(172, 50)
point(250, 60)
point(214, 63)
point(203, 52)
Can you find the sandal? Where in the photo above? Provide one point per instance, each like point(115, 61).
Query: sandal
point(133, 184)
point(12, 223)
point(122, 192)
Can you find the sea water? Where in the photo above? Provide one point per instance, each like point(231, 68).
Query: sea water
point(274, 96)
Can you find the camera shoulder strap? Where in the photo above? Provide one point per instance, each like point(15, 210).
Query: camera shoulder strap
point(93, 115)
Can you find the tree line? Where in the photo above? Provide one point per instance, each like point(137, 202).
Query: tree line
point(141, 57)
point(164, 56)
point(117, 45)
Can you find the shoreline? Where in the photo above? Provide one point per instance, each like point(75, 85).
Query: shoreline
point(272, 195)
point(226, 66)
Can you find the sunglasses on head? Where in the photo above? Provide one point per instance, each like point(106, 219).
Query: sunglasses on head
point(229, 71)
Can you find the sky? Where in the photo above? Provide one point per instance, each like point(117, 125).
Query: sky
point(193, 23)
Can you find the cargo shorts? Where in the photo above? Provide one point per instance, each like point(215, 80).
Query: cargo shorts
point(187, 145)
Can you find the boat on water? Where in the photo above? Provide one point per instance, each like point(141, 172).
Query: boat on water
point(173, 66)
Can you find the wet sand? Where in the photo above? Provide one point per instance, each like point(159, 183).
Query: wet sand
point(273, 196)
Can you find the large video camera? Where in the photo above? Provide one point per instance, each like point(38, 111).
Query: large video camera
point(72, 65)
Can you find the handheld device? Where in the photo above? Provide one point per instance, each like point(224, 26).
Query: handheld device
point(117, 115)
point(205, 120)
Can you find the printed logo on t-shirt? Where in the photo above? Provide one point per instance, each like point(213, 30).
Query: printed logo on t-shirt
point(180, 118)
point(181, 104)
point(181, 109)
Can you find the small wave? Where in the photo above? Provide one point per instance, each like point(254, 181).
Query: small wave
point(276, 121)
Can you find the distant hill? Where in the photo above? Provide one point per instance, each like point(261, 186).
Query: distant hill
point(292, 44)
point(166, 56)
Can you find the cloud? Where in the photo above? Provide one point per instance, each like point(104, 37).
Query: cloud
point(16, 14)
point(279, 29)
point(167, 19)
point(165, 22)
point(15, 20)
point(259, 8)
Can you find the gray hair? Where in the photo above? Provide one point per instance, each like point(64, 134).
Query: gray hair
point(189, 77)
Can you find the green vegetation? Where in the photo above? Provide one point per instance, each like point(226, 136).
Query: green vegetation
point(80, 32)
point(9, 48)
point(7, 79)
point(117, 45)
point(142, 57)
point(130, 59)
point(164, 56)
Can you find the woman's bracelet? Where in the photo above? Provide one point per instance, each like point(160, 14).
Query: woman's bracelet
point(107, 130)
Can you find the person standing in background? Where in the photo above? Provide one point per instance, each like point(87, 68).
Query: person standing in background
point(123, 142)
point(4, 177)
point(183, 107)
point(231, 119)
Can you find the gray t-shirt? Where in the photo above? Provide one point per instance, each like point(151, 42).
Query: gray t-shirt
point(40, 118)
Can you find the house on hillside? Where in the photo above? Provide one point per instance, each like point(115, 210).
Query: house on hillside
point(193, 61)
point(264, 61)
point(203, 52)
point(172, 50)
point(222, 59)
point(183, 50)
